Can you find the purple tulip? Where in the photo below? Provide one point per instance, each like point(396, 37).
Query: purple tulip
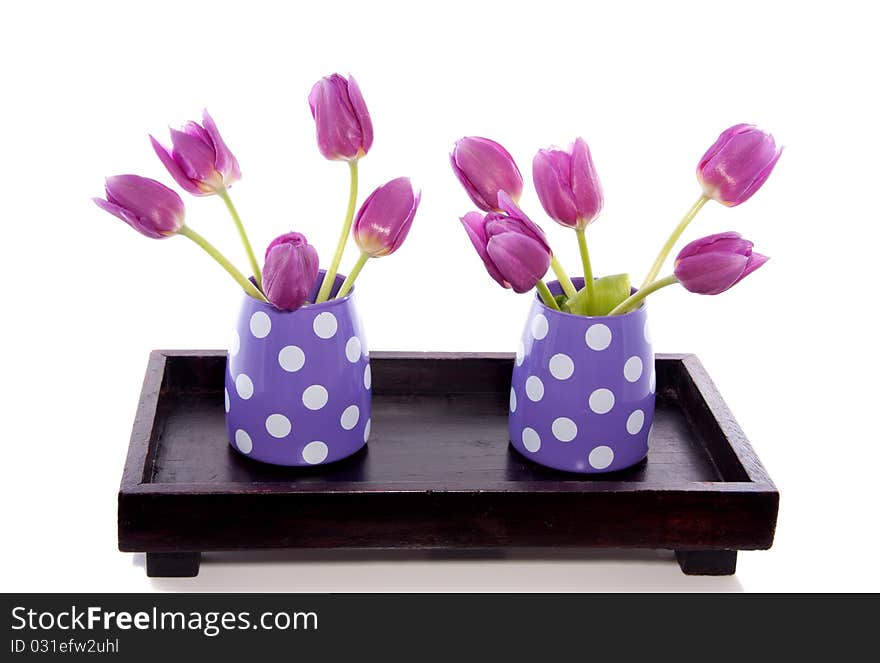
point(290, 271)
point(343, 123)
point(711, 265)
point(384, 220)
point(146, 205)
point(736, 166)
point(513, 249)
point(567, 184)
point(484, 168)
point(199, 160)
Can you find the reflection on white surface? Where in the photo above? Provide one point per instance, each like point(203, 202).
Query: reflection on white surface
point(521, 570)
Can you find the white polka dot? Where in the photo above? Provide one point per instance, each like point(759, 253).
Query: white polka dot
point(367, 430)
point(598, 336)
point(235, 343)
point(226, 400)
point(261, 325)
point(534, 388)
point(520, 354)
point(315, 397)
point(278, 425)
point(325, 325)
point(561, 366)
point(601, 401)
point(244, 386)
point(353, 349)
point(564, 429)
point(632, 369)
point(243, 441)
point(635, 421)
point(368, 377)
point(350, 417)
point(291, 358)
point(601, 457)
point(530, 439)
point(512, 400)
point(647, 332)
point(315, 452)
point(539, 327)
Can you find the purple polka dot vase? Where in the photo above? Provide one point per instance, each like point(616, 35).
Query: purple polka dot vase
point(298, 382)
point(582, 394)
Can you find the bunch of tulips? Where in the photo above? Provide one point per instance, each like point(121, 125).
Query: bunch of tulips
point(202, 165)
point(517, 255)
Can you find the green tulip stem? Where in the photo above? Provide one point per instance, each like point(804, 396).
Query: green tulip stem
point(209, 248)
point(630, 302)
point(673, 238)
point(564, 280)
point(585, 259)
point(330, 276)
point(546, 295)
point(349, 280)
point(255, 266)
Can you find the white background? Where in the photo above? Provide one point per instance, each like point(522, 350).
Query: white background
point(793, 349)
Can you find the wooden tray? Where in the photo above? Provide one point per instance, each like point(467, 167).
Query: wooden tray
point(438, 472)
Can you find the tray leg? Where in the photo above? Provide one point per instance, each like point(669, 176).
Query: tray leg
point(173, 565)
point(707, 562)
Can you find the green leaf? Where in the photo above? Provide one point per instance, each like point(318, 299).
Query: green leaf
point(609, 292)
point(562, 302)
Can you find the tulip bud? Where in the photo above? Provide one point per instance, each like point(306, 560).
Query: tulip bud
point(290, 271)
point(511, 246)
point(484, 168)
point(736, 166)
point(567, 184)
point(711, 265)
point(343, 123)
point(146, 205)
point(199, 160)
point(384, 220)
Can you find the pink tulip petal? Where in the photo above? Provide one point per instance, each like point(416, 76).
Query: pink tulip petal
point(710, 273)
point(474, 226)
point(174, 169)
point(484, 168)
point(520, 260)
point(585, 183)
point(195, 157)
point(384, 219)
point(551, 174)
point(224, 161)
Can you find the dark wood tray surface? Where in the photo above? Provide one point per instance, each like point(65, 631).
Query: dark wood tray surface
point(438, 472)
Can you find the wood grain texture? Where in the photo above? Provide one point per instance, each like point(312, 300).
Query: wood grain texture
point(438, 471)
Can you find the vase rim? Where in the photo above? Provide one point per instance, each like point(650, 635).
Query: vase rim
point(269, 307)
point(551, 284)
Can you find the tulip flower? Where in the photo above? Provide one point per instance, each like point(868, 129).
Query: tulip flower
point(384, 220)
point(156, 211)
point(484, 168)
point(736, 166)
point(199, 160)
point(345, 132)
point(716, 263)
point(567, 184)
point(707, 266)
point(146, 205)
point(382, 223)
point(201, 164)
point(730, 172)
point(343, 124)
point(570, 192)
point(290, 271)
point(512, 247)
